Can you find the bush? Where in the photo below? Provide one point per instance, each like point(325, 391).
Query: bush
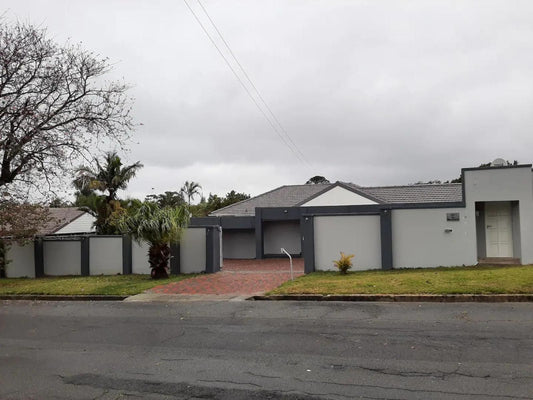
point(344, 263)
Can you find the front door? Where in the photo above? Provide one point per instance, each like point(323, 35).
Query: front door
point(498, 221)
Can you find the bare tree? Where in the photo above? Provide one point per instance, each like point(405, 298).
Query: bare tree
point(54, 107)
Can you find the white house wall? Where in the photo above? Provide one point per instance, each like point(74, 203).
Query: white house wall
point(238, 244)
point(352, 234)
point(280, 234)
point(192, 251)
point(105, 255)
point(419, 238)
point(62, 258)
point(338, 196)
point(22, 261)
point(82, 224)
point(505, 184)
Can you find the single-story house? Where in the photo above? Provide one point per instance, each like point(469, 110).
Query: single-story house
point(486, 218)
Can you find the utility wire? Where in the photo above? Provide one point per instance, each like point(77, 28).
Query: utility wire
point(251, 82)
point(293, 148)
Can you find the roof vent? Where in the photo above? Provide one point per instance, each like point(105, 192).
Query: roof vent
point(499, 162)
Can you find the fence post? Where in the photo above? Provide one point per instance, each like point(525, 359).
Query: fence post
point(127, 259)
point(85, 269)
point(38, 249)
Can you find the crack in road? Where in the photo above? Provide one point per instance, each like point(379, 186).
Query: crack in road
point(397, 388)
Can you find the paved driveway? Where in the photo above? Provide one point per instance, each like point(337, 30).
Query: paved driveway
point(237, 277)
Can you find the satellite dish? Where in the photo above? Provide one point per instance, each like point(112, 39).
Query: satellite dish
point(499, 162)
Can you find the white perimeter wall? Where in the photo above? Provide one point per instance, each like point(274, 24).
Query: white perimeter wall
point(139, 258)
point(419, 238)
point(22, 261)
point(105, 255)
point(62, 258)
point(359, 235)
point(238, 244)
point(192, 251)
point(280, 234)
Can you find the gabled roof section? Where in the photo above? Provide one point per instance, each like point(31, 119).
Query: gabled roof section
point(59, 218)
point(284, 196)
point(296, 195)
point(350, 187)
point(425, 193)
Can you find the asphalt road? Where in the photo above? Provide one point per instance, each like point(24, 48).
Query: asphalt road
point(265, 350)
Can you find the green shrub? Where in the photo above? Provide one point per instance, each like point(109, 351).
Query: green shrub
point(344, 263)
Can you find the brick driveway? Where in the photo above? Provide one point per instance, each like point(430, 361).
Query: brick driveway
point(239, 277)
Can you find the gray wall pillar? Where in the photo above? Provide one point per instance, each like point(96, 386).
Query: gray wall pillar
point(212, 244)
point(38, 249)
point(259, 246)
point(308, 243)
point(386, 238)
point(175, 261)
point(127, 258)
point(85, 257)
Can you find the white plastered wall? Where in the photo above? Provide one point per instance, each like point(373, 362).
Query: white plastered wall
point(84, 223)
point(352, 234)
point(504, 184)
point(338, 196)
point(193, 251)
point(22, 261)
point(62, 257)
point(139, 258)
point(420, 238)
point(105, 255)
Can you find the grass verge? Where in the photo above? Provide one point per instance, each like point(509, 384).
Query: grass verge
point(443, 280)
point(119, 285)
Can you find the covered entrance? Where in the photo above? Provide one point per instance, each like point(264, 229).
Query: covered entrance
point(498, 232)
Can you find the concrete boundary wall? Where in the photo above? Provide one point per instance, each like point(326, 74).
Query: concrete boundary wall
point(199, 251)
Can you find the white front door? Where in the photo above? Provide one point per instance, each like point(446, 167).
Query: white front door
point(499, 229)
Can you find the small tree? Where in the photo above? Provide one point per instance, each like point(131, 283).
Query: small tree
point(159, 227)
point(316, 180)
point(107, 177)
point(344, 263)
point(190, 189)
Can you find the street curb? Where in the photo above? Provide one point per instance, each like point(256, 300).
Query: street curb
point(437, 298)
point(52, 297)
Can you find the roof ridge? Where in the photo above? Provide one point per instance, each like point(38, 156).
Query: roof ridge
point(411, 185)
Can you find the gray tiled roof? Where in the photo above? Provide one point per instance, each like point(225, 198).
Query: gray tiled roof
point(431, 193)
point(58, 218)
point(290, 196)
point(284, 196)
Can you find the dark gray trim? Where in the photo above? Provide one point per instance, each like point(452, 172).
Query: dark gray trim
point(259, 246)
point(308, 243)
point(127, 257)
point(385, 222)
point(227, 223)
point(38, 251)
point(85, 254)
point(175, 258)
point(212, 251)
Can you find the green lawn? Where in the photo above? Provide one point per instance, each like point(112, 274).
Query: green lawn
point(475, 280)
point(120, 285)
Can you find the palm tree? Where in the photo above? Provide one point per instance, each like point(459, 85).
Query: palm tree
point(157, 226)
point(190, 189)
point(108, 177)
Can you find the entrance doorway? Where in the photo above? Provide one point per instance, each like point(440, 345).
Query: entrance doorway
point(499, 229)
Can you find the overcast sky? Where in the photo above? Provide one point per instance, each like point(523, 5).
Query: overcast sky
point(371, 92)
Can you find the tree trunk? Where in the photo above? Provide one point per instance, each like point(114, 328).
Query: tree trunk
point(158, 257)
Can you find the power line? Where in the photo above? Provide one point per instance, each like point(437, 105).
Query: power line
point(251, 82)
point(294, 149)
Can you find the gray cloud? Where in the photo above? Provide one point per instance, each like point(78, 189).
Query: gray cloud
point(374, 92)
